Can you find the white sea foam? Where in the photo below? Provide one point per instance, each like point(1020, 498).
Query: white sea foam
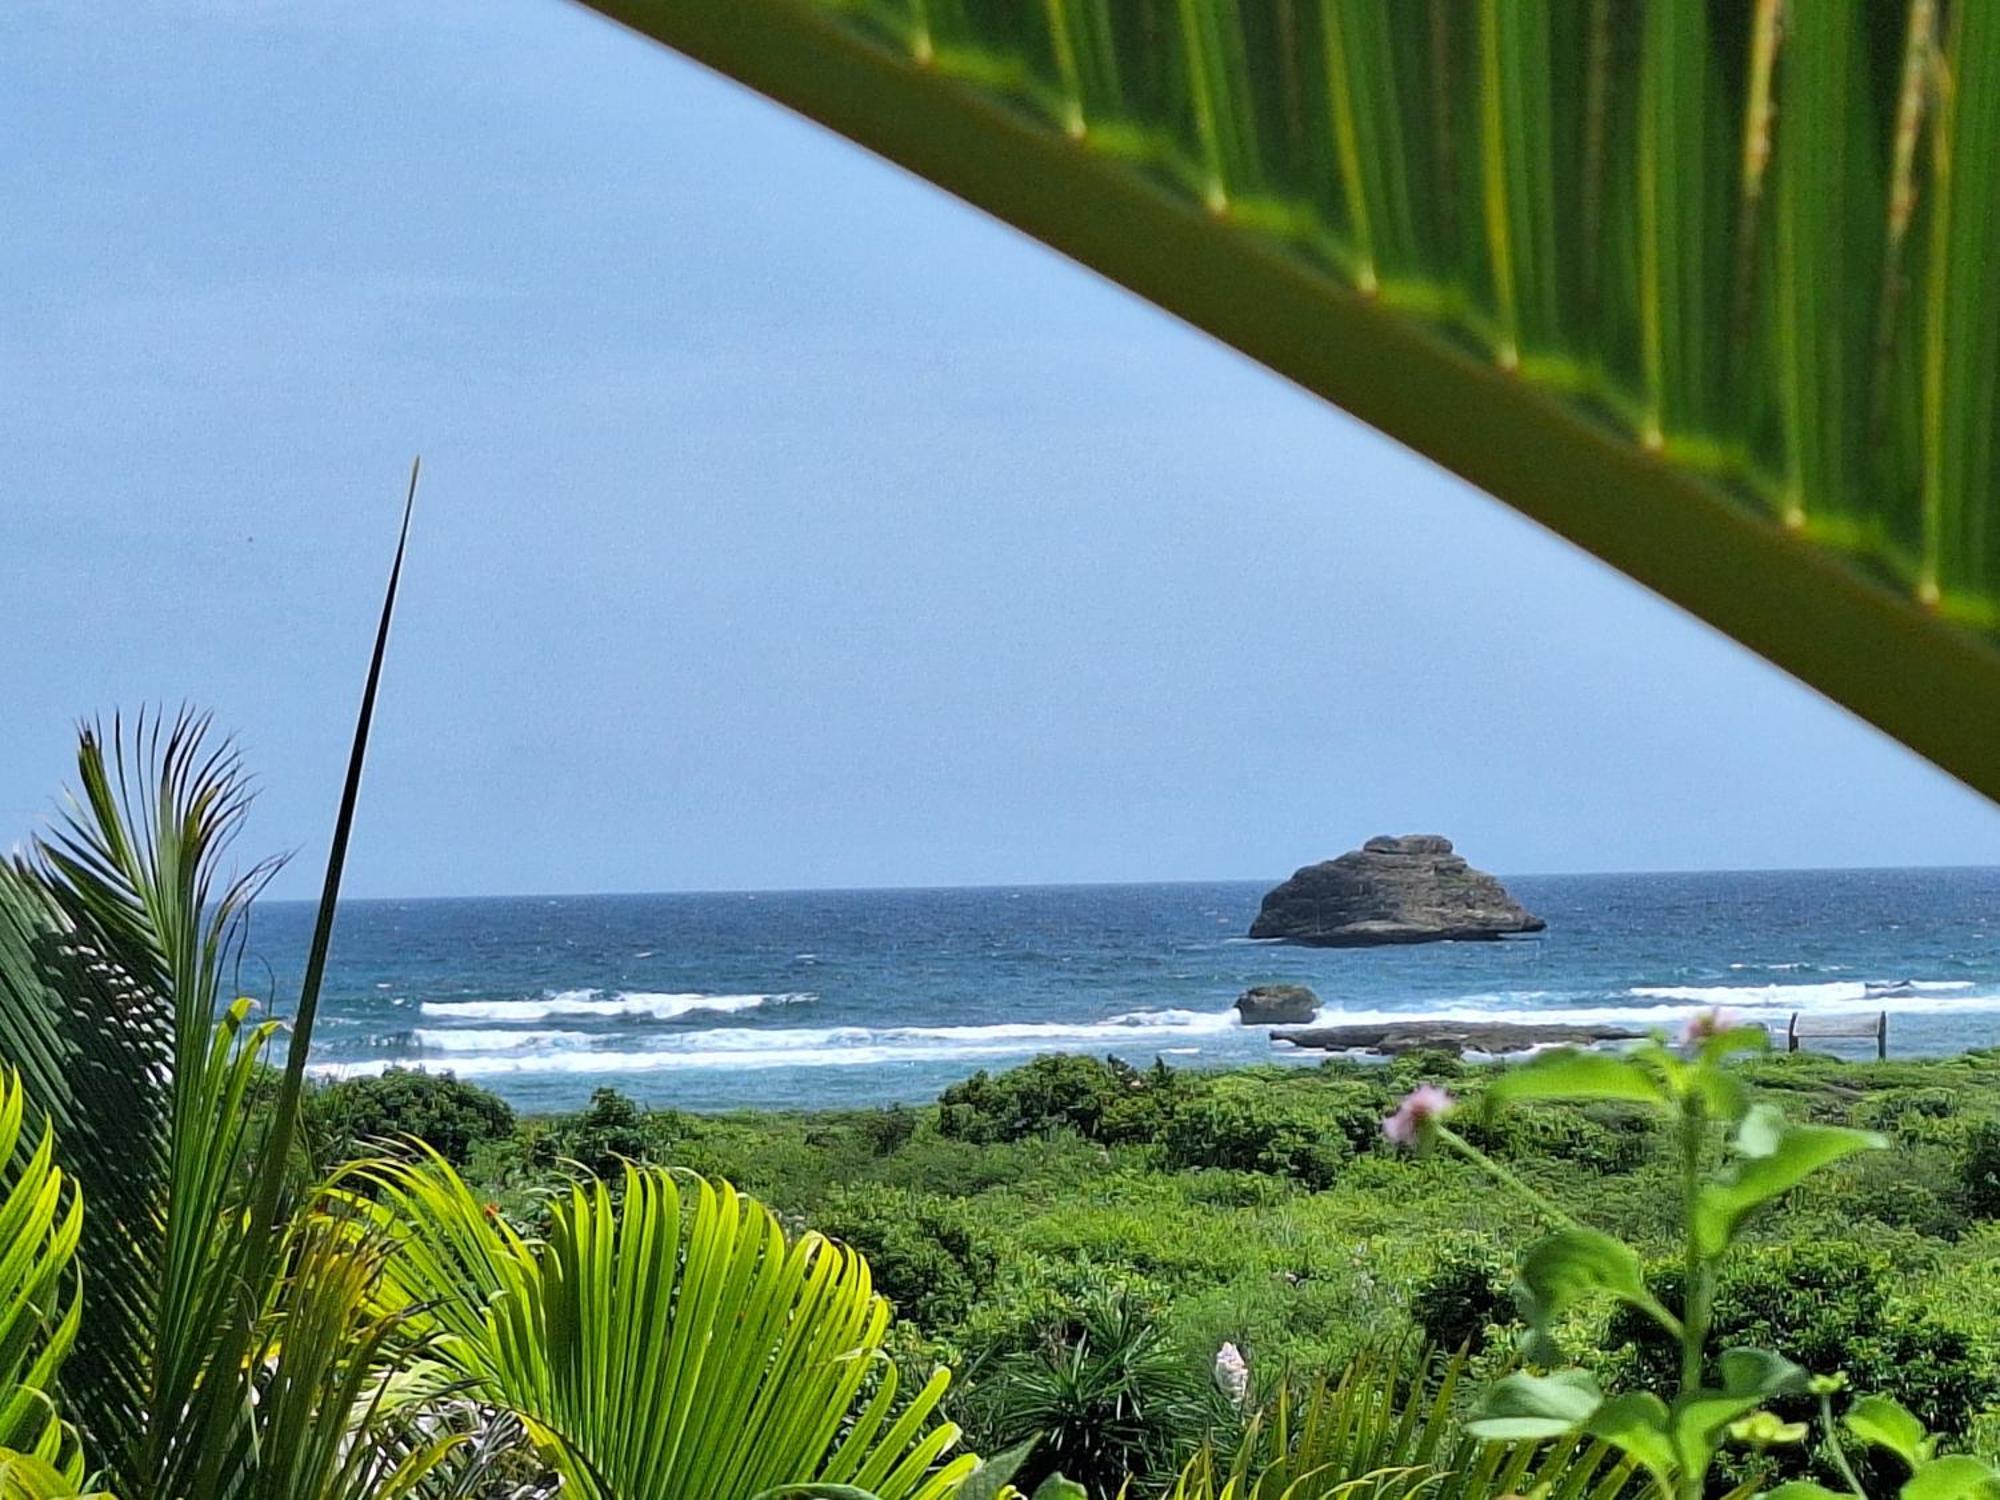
point(789, 1047)
point(1835, 995)
point(477, 1039)
point(503, 1049)
point(1669, 1005)
point(635, 1004)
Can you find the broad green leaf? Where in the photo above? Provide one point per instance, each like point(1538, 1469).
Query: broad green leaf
point(1804, 1489)
point(1637, 1425)
point(1761, 1132)
point(1526, 1407)
point(1569, 1073)
point(814, 1492)
point(1750, 1377)
point(1055, 1487)
point(1760, 1373)
point(1571, 1264)
point(1780, 1155)
point(1884, 1423)
point(1699, 1421)
point(1724, 1095)
point(1958, 1477)
point(994, 1475)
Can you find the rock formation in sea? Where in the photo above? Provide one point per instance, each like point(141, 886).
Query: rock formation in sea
point(1411, 889)
point(1277, 1005)
point(1497, 1038)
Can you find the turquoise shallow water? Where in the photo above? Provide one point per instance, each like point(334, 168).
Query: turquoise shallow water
point(836, 998)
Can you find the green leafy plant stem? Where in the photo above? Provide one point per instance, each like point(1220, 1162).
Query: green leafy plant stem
point(1562, 1218)
point(1833, 1444)
point(1700, 1271)
point(1554, 1212)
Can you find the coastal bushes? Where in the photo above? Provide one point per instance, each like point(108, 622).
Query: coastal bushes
point(448, 1116)
point(1243, 1133)
point(1006, 1224)
point(927, 1253)
point(1979, 1170)
point(1468, 1292)
point(1099, 1099)
point(1385, 1425)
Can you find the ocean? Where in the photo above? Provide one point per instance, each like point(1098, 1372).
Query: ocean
point(824, 999)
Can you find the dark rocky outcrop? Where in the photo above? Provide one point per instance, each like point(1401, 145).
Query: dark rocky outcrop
point(1277, 1005)
point(1494, 1038)
point(1411, 889)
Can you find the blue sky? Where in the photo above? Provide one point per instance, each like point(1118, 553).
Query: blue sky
point(786, 523)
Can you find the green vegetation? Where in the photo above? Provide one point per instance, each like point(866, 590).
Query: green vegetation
point(371, 1113)
point(1055, 1234)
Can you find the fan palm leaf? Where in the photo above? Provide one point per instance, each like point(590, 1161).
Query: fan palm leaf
point(1708, 289)
point(665, 1342)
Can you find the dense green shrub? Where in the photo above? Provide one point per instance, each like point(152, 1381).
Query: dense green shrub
point(448, 1115)
point(1601, 1139)
point(1979, 1170)
point(1419, 1065)
point(1919, 1116)
point(1241, 1132)
point(887, 1131)
point(610, 1131)
point(1103, 1100)
point(1829, 1305)
point(1468, 1292)
point(926, 1253)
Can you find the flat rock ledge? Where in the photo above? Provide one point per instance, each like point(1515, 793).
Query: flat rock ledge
point(1496, 1039)
point(1408, 889)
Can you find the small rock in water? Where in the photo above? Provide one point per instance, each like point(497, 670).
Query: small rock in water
point(1277, 1005)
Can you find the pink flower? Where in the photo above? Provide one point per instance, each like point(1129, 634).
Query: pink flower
point(1421, 1109)
point(1708, 1023)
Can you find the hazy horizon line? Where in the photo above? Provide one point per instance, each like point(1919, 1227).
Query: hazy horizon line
point(1079, 885)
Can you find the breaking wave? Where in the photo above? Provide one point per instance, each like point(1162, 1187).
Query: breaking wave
point(475, 1053)
point(635, 1004)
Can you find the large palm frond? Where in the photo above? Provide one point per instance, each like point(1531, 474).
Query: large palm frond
point(666, 1342)
point(1708, 288)
point(41, 1216)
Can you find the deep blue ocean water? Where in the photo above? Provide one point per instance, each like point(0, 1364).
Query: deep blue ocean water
point(841, 998)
